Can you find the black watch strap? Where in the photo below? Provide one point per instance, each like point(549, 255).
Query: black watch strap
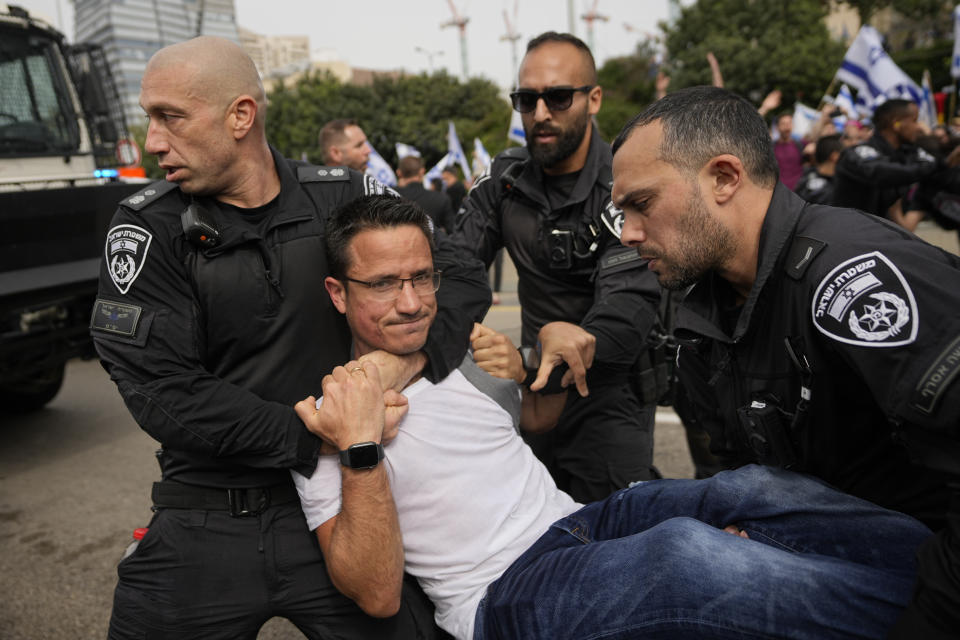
point(363, 455)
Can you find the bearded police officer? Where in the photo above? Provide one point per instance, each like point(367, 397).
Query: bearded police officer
point(814, 338)
point(211, 320)
point(586, 300)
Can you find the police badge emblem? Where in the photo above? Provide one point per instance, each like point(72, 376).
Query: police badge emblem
point(866, 301)
point(612, 218)
point(126, 252)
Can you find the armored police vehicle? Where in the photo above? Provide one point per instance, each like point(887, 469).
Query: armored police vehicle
point(60, 126)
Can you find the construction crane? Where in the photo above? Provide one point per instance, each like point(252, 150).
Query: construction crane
point(589, 17)
point(461, 23)
point(511, 36)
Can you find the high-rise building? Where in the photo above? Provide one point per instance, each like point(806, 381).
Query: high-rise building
point(131, 31)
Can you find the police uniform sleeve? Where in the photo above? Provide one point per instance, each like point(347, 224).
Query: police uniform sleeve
point(462, 299)
point(626, 300)
point(888, 305)
point(477, 229)
point(865, 164)
point(145, 328)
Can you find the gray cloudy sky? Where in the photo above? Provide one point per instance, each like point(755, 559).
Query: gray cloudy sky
point(384, 34)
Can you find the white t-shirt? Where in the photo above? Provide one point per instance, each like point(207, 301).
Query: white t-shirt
point(470, 495)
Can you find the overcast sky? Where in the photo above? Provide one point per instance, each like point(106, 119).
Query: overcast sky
point(384, 34)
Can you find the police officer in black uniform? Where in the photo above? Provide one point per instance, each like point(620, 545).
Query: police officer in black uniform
point(213, 321)
point(584, 298)
point(816, 184)
point(875, 176)
point(819, 339)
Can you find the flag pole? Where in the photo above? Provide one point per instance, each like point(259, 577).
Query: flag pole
point(828, 92)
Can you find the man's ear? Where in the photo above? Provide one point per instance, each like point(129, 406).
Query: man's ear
point(725, 175)
point(595, 99)
point(242, 115)
point(334, 155)
point(337, 293)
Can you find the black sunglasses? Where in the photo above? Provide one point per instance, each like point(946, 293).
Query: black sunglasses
point(556, 98)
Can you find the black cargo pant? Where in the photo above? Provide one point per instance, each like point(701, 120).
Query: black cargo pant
point(602, 442)
point(205, 574)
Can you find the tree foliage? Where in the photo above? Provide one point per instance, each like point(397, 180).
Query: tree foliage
point(761, 45)
point(628, 85)
point(410, 109)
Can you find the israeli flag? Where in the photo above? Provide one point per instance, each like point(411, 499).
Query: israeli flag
point(405, 150)
point(437, 169)
point(516, 132)
point(955, 64)
point(844, 101)
point(868, 68)
point(481, 159)
point(804, 118)
point(379, 169)
point(455, 151)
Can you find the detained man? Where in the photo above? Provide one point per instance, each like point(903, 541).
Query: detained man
point(439, 482)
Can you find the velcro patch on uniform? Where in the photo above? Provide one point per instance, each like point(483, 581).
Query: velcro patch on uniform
point(147, 195)
point(937, 378)
point(801, 255)
point(622, 259)
point(865, 151)
point(126, 252)
point(116, 317)
point(866, 301)
point(612, 219)
point(311, 173)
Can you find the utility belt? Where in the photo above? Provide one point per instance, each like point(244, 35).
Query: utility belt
point(654, 372)
point(239, 503)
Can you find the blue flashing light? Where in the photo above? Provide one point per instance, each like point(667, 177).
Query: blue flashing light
point(105, 173)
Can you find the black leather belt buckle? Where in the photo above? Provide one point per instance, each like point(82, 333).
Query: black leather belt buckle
point(247, 502)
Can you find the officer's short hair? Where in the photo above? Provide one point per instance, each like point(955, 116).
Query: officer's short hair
point(826, 145)
point(891, 110)
point(568, 38)
point(700, 123)
point(369, 212)
point(409, 166)
point(332, 134)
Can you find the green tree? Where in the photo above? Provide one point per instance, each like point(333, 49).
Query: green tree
point(410, 109)
point(628, 85)
point(761, 45)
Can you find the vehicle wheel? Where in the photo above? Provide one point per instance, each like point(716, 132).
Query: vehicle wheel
point(32, 393)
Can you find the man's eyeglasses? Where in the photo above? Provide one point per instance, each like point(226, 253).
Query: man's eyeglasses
point(556, 98)
point(387, 289)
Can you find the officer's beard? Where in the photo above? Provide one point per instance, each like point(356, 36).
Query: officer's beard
point(703, 245)
point(568, 140)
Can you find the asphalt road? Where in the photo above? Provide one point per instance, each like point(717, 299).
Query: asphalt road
point(75, 481)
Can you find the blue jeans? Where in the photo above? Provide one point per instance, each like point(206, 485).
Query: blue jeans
point(652, 561)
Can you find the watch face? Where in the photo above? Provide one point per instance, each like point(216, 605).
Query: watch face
point(363, 455)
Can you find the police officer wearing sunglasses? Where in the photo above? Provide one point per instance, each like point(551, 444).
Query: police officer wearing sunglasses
point(587, 302)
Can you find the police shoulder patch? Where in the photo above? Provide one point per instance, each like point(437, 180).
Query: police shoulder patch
point(126, 252)
point(313, 173)
point(866, 301)
point(372, 186)
point(145, 196)
point(612, 219)
point(865, 151)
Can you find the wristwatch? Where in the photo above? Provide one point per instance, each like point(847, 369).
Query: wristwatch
point(363, 455)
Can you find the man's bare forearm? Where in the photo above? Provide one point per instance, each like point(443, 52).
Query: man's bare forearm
point(364, 553)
